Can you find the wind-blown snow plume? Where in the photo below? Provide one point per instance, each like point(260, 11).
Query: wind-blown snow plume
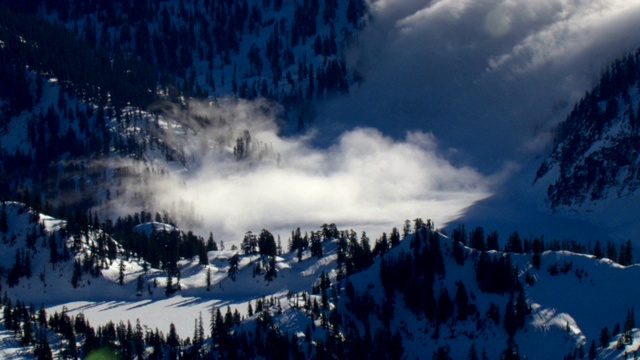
point(365, 180)
point(471, 70)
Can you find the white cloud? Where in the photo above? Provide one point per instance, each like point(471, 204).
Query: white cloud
point(486, 76)
point(365, 180)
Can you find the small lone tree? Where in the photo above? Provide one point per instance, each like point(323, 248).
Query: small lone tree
point(121, 268)
point(208, 278)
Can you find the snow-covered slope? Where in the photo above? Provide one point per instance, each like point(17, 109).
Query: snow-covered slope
point(593, 168)
point(570, 298)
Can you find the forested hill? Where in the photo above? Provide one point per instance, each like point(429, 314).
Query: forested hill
point(287, 51)
point(85, 83)
point(596, 149)
point(329, 293)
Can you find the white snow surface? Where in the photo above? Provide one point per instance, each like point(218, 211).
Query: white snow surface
point(568, 309)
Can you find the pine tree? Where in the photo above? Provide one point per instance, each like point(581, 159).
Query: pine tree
point(462, 301)
point(267, 243)
point(394, 237)
point(169, 286)
point(316, 245)
point(592, 350)
point(4, 225)
point(211, 243)
point(27, 332)
point(208, 279)
point(233, 266)
point(626, 255)
point(41, 350)
point(492, 241)
point(139, 286)
point(476, 239)
point(630, 321)
point(597, 250)
point(510, 318)
point(121, 269)
point(605, 337)
point(514, 244)
point(458, 252)
point(173, 341)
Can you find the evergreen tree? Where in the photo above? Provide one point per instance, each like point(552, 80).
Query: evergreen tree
point(593, 353)
point(510, 318)
point(492, 241)
point(605, 337)
point(249, 243)
point(626, 255)
point(267, 243)
point(139, 286)
point(316, 245)
point(630, 321)
point(271, 270)
point(460, 234)
point(28, 337)
point(208, 280)
point(173, 341)
point(458, 252)
point(169, 290)
point(394, 238)
point(597, 250)
point(53, 249)
point(41, 349)
point(121, 269)
point(234, 261)
point(445, 306)
point(4, 225)
point(211, 243)
point(462, 301)
point(522, 309)
point(514, 244)
point(612, 254)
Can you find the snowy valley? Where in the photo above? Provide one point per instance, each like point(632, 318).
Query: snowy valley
point(232, 179)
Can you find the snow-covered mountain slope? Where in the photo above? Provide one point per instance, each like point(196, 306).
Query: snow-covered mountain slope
point(540, 304)
point(567, 307)
point(593, 168)
point(519, 205)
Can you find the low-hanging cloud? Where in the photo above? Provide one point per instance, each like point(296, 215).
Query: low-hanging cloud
point(489, 78)
point(364, 180)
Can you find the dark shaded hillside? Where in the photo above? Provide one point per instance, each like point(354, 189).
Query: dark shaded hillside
point(30, 42)
point(597, 148)
point(289, 52)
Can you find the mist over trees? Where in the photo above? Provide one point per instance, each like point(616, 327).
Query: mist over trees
point(89, 83)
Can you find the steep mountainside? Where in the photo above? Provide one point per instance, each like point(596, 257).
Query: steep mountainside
point(596, 154)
